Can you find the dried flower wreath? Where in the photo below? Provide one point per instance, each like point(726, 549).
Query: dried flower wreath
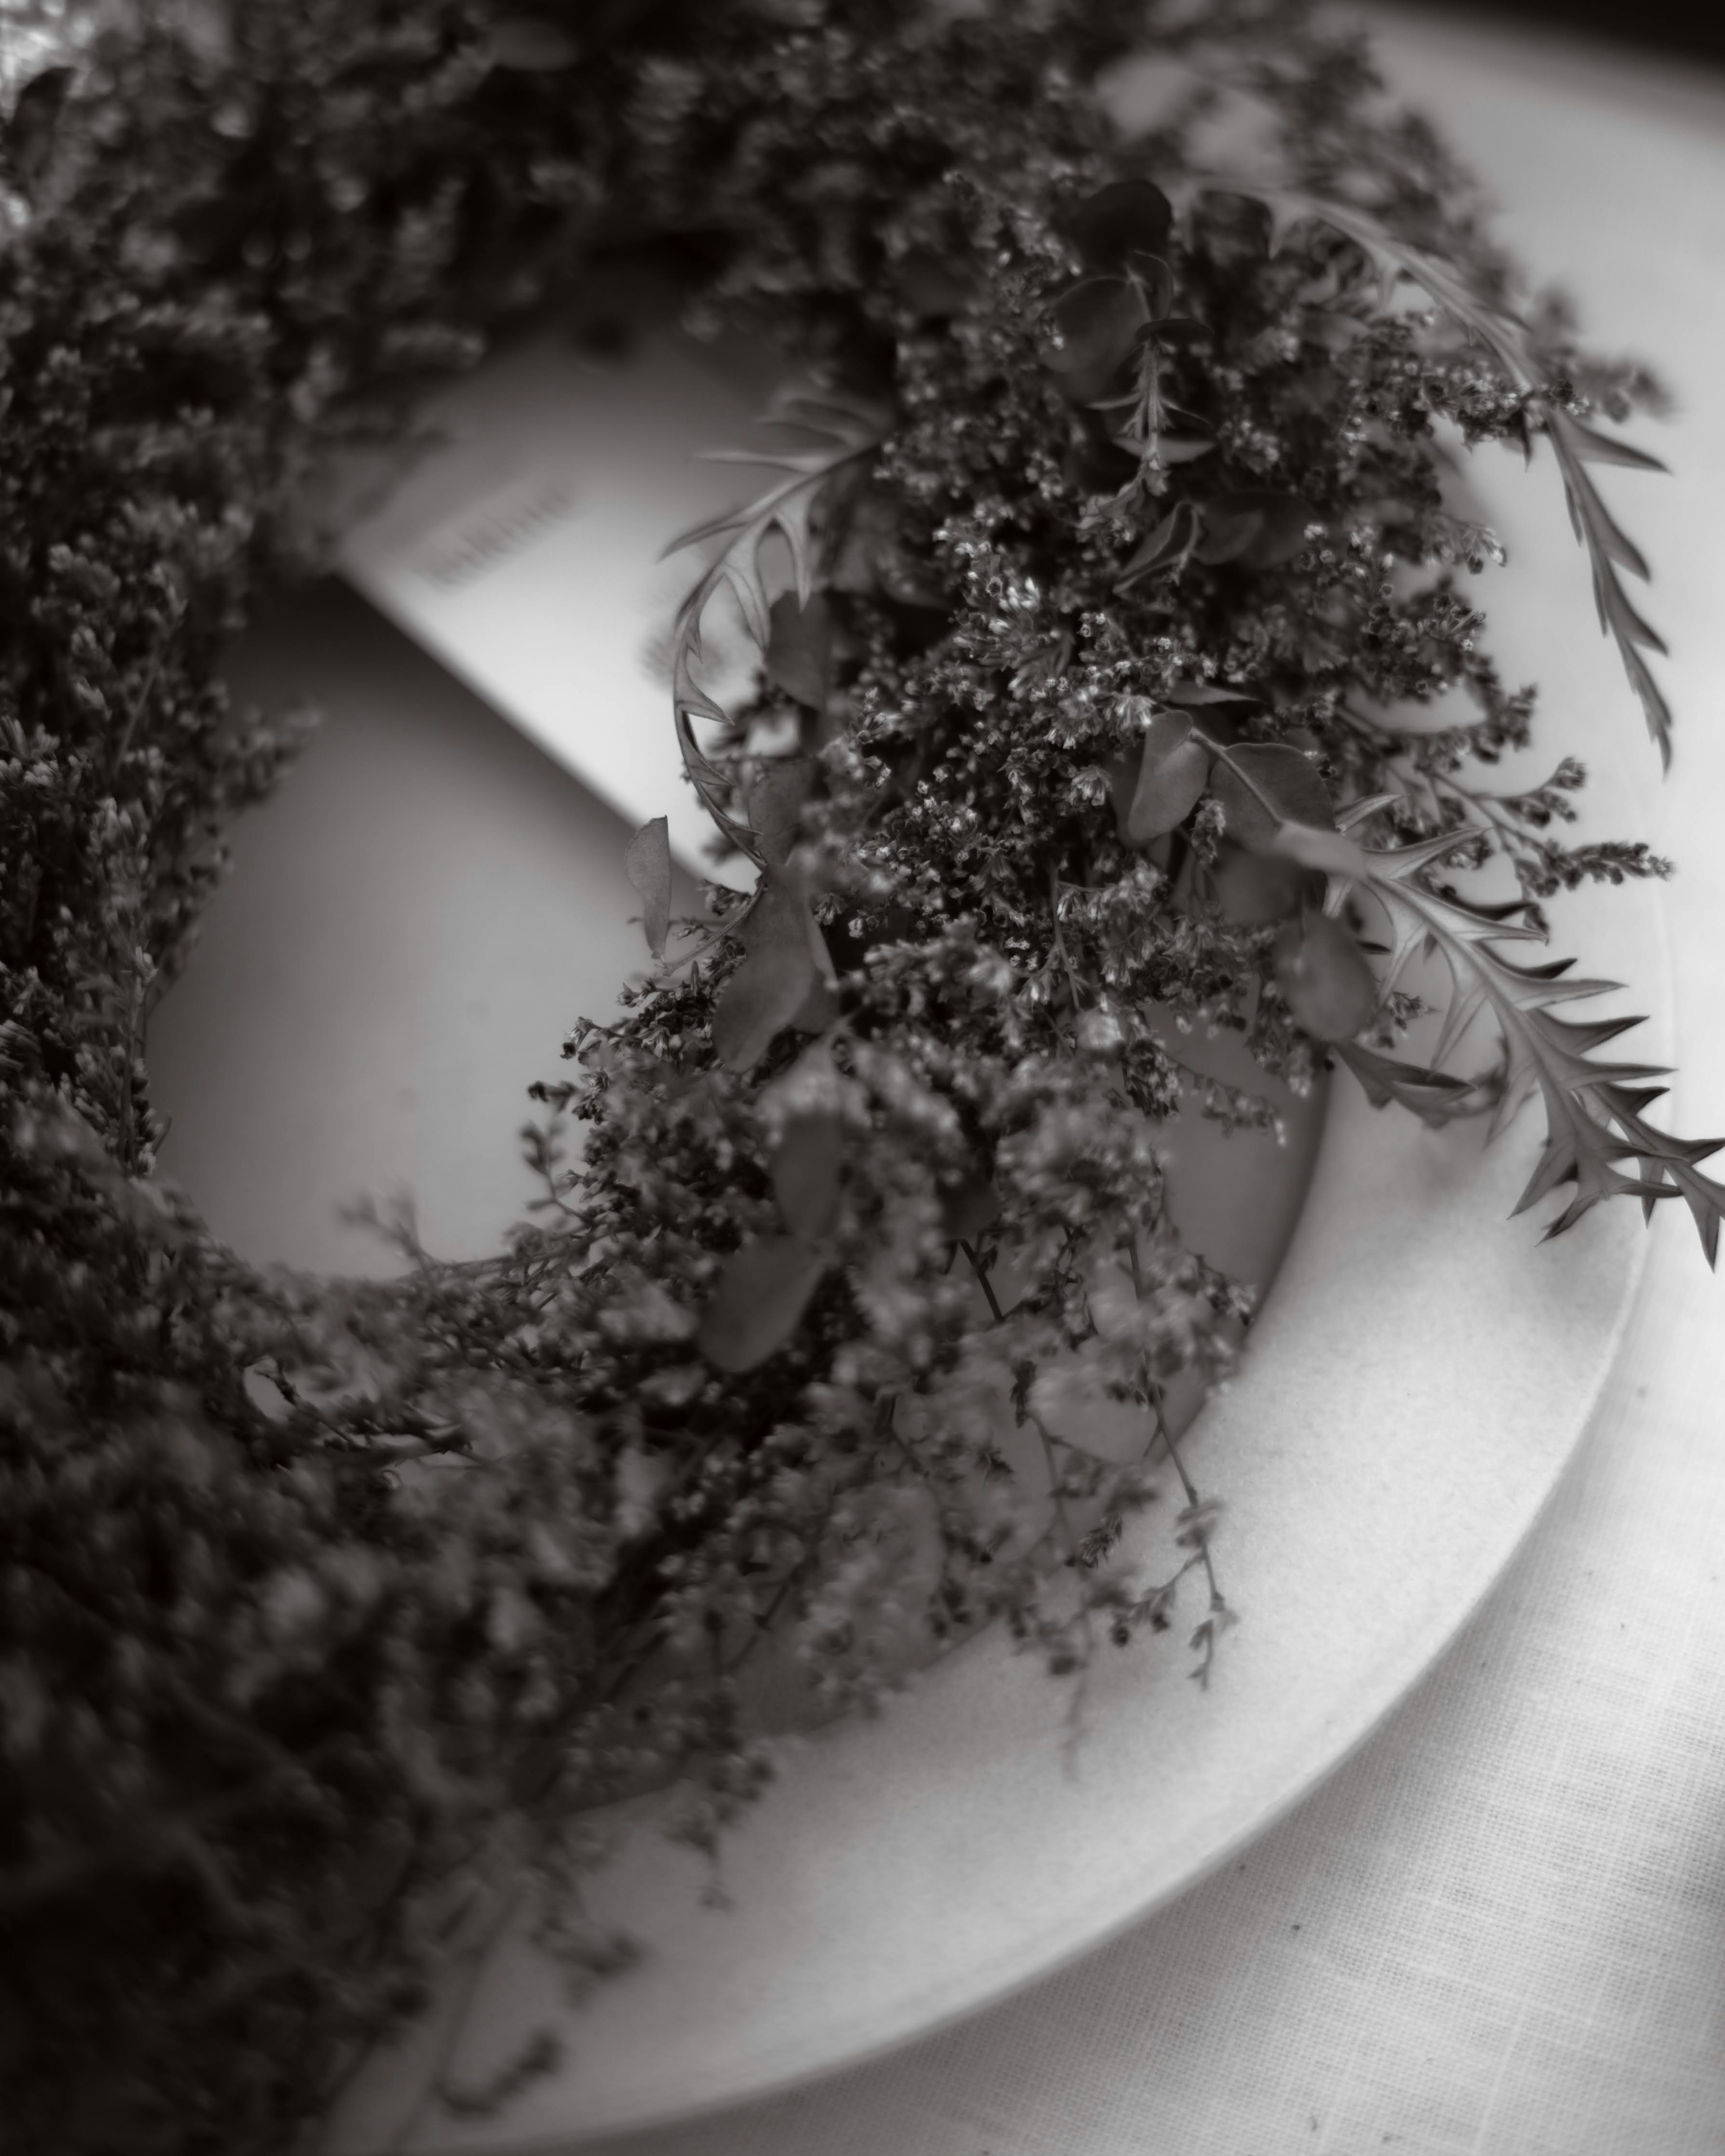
point(1109, 526)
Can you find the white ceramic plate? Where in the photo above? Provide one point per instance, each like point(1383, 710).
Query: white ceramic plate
point(1421, 1374)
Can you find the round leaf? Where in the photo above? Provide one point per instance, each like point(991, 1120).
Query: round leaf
point(776, 796)
point(1168, 546)
point(1095, 463)
point(1332, 852)
point(35, 122)
point(1256, 527)
point(1128, 217)
point(799, 649)
point(1254, 890)
point(1194, 693)
point(806, 1171)
point(967, 1210)
point(759, 1302)
point(1158, 280)
point(818, 1009)
point(1330, 988)
point(1172, 775)
point(647, 864)
point(772, 985)
point(1229, 532)
point(1264, 785)
point(1182, 331)
point(1096, 326)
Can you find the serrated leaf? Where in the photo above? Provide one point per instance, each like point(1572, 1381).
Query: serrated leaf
point(1435, 1096)
point(1542, 1053)
point(772, 985)
point(1330, 989)
point(1357, 812)
point(1172, 772)
point(1262, 785)
point(1331, 851)
point(1663, 1156)
point(758, 1304)
point(800, 648)
point(1126, 217)
point(647, 864)
point(1094, 326)
point(808, 1164)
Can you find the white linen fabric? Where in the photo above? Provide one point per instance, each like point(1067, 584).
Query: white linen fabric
point(1498, 1930)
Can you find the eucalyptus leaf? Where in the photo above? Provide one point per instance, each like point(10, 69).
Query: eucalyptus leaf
point(1126, 218)
point(647, 864)
point(1095, 327)
point(818, 1009)
point(1097, 462)
point(1332, 851)
point(758, 1304)
point(967, 1210)
point(1256, 890)
point(1180, 331)
point(1330, 989)
point(1196, 693)
point(1173, 772)
point(812, 1085)
point(800, 648)
point(1169, 544)
point(772, 984)
point(1157, 280)
point(808, 1166)
point(1260, 528)
point(1227, 534)
point(1262, 785)
point(776, 795)
point(34, 126)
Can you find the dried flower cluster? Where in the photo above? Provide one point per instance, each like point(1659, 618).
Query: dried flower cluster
point(1109, 526)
